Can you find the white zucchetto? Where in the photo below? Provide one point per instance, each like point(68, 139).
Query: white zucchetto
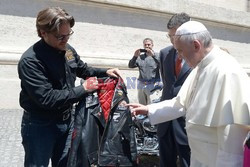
point(190, 27)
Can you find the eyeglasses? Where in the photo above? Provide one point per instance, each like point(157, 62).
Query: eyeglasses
point(62, 37)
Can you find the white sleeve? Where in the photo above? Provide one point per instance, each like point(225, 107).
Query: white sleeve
point(230, 145)
point(165, 111)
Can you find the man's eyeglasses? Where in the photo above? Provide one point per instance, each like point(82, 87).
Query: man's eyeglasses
point(62, 37)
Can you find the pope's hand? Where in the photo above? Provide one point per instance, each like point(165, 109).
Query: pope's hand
point(138, 109)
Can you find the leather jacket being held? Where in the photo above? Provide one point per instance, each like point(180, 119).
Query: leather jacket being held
point(103, 134)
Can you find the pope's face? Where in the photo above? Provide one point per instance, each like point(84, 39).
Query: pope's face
point(186, 51)
point(58, 39)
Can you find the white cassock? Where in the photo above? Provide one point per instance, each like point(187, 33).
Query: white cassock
point(215, 99)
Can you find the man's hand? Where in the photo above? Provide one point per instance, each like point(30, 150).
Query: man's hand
point(138, 109)
point(114, 72)
point(91, 84)
point(150, 52)
point(137, 53)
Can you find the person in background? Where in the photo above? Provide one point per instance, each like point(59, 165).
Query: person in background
point(214, 98)
point(149, 76)
point(174, 70)
point(48, 70)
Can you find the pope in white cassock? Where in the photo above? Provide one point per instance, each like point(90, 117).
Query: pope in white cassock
point(215, 99)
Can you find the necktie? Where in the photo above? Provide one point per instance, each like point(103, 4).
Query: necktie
point(178, 66)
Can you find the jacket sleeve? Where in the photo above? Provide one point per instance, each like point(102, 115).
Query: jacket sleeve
point(132, 63)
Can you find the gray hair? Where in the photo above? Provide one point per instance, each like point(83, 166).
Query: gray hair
point(177, 20)
point(204, 37)
point(51, 18)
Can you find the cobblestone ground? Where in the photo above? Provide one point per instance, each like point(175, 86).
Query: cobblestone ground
point(11, 150)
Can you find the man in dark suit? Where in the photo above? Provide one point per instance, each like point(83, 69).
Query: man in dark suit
point(172, 134)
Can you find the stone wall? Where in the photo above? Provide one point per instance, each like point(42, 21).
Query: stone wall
point(239, 5)
point(214, 10)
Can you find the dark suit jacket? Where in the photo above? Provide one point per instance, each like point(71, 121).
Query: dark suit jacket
point(171, 87)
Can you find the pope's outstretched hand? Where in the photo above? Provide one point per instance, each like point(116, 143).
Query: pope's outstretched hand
point(138, 109)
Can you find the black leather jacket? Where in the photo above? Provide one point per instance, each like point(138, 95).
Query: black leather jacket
point(100, 141)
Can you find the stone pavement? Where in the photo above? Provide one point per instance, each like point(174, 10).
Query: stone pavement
point(11, 150)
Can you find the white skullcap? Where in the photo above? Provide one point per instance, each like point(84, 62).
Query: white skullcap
point(190, 27)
